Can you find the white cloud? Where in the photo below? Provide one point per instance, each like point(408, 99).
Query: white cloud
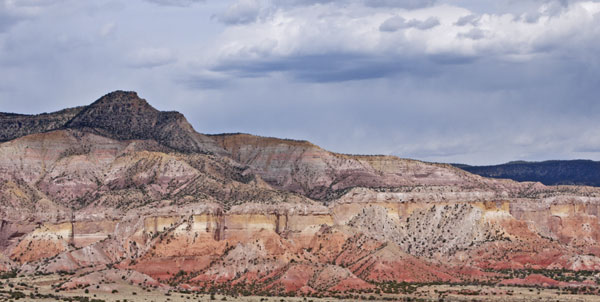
point(323, 29)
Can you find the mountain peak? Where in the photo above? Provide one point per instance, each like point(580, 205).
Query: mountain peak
point(124, 115)
point(120, 115)
point(122, 98)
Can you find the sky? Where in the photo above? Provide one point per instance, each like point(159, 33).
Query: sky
point(462, 81)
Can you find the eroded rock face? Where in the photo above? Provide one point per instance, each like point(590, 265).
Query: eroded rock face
point(265, 215)
point(302, 167)
point(121, 115)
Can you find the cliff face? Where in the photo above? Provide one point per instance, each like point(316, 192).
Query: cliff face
point(72, 170)
point(304, 168)
point(125, 186)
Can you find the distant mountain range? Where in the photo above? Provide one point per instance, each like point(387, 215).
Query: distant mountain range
point(551, 172)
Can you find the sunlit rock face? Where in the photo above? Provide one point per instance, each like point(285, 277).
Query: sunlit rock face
point(122, 190)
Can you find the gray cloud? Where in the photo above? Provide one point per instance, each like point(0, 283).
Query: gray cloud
point(204, 81)
point(393, 24)
point(181, 3)
point(468, 19)
point(334, 67)
point(474, 34)
point(151, 57)
point(11, 13)
point(247, 11)
point(241, 12)
point(408, 4)
point(428, 23)
point(6, 21)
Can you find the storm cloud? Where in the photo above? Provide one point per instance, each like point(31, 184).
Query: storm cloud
point(470, 81)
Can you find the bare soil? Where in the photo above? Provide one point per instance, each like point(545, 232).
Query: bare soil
point(39, 288)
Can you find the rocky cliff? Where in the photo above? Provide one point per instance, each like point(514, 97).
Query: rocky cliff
point(117, 186)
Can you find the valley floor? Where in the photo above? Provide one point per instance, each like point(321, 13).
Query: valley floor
point(39, 288)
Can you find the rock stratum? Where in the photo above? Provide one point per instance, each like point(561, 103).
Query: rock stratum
point(118, 189)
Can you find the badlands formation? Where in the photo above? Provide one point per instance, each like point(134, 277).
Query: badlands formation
point(120, 191)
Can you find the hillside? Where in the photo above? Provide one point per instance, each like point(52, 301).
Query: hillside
point(118, 191)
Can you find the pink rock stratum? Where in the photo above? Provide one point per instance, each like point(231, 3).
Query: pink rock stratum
point(120, 190)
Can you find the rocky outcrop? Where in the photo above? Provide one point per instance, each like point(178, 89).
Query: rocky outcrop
point(125, 116)
point(120, 115)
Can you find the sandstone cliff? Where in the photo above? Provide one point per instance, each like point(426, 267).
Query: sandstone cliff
point(118, 189)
